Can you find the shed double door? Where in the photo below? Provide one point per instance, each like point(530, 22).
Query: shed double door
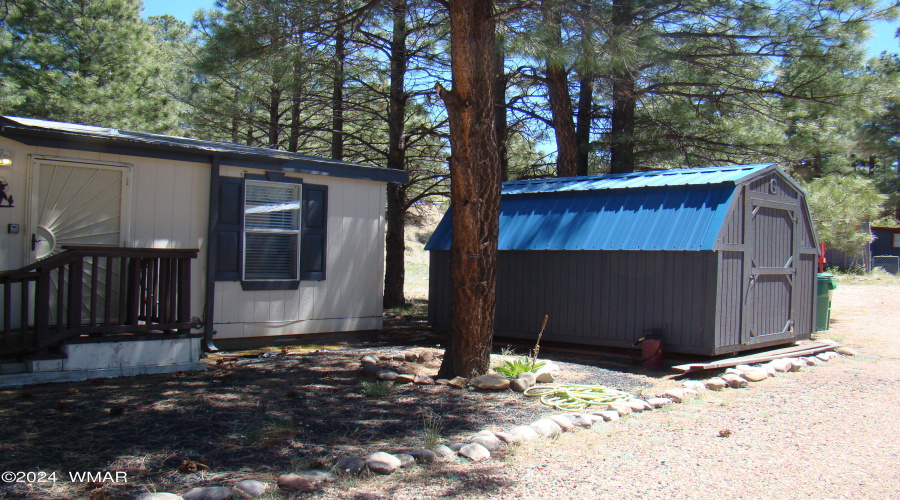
point(770, 267)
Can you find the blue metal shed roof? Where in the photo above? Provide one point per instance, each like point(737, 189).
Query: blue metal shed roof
point(660, 210)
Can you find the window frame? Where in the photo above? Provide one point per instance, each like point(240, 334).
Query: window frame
point(247, 230)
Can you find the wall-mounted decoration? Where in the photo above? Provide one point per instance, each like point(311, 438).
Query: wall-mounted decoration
point(4, 196)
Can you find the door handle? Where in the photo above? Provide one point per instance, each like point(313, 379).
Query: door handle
point(34, 241)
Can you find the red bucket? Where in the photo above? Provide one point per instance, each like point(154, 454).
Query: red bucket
point(651, 352)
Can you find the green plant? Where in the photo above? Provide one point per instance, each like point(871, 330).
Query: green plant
point(272, 431)
point(377, 389)
point(512, 368)
point(432, 427)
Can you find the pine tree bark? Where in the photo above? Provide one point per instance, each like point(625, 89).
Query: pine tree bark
point(583, 123)
point(337, 97)
point(500, 105)
point(395, 242)
point(557, 80)
point(624, 98)
point(474, 190)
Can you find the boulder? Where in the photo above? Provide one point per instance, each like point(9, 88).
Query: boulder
point(546, 377)
point(770, 370)
point(457, 446)
point(458, 382)
point(795, 363)
point(715, 384)
point(563, 421)
point(696, 385)
point(546, 427)
point(385, 374)
point(518, 385)
point(490, 382)
point(368, 359)
point(251, 487)
point(209, 493)
point(780, 365)
point(734, 381)
point(475, 452)
point(444, 451)
point(370, 370)
point(814, 361)
point(426, 356)
point(319, 476)
point(846, 351)
point(608, 415)
point(491, 443)
point(621, 408)
point(442, 381)
point(525, 433)
point(755, 375)
point(382, 463)
point(580, 419)
point(350, 466)
point(406, 459)
point(509, 438)
point(412, 357)
point(158, 496)
point(423, 456)
point(676, 395)
point(828, 341)
point(529, 378)
point(294, 482)
point(639, 405)
point(660, 402)
point(404, 378)
point(420, 379)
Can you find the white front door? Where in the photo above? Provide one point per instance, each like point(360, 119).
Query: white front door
point(75, 203)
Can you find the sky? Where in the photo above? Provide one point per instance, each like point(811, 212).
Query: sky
point(883, 38)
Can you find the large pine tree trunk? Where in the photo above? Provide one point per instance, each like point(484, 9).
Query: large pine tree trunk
point(274, 115)
point(624, 98)
point(474, 190)
point(583, 123)
point(557, 79)
point(500, 119)
point(395, 243)
point(337, 97)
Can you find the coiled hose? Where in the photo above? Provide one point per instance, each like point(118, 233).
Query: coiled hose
point(573, 397)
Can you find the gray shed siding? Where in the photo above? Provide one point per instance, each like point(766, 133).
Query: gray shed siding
point(604, 298)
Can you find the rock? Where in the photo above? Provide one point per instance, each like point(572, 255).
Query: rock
point(444, 451)
point(639, 405)
point(529, 378)
point(676, 395)
point(398, 357)
point(382, 463)
point(621, 408)
point(484, 432)
point(546, 427)
point(350, 466)
point(404, 378)
point(442, 381)
point(368, 359)
point(209, 493)
point(814, 361)
point(580, 420)
point(803, 361)
point(406, 459)
point(755, 375)
point(525, 433)
point(546, 377)
point(734, 381)
point(770, 370)
point(458, 382)
point(695, 385)
point(715, 384)
point(846, 351)
point(385, 374)
point(563, 422)
point(596, 419)
point(828, 341)
point(491, 443)
point(689, 393)
point(370, 370)
point(780, 365)
point(251, 487)
point(660, 402)
point(509, 438)
point(158, 496)
point(412, 357)
point(475, 452)
point(518, 385)
point(426, 356)
point(826, 356)
point(294, 482)
point(795, 363)
point(318, 476)
point(423, 456)
point(608, 415)
point(734, 371)
point(490, 382)
point(420, 379)
point(457, 446)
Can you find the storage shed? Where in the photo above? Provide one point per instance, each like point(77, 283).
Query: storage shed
point(716, 260)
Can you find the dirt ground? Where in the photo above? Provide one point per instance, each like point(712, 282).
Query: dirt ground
point(825, 432)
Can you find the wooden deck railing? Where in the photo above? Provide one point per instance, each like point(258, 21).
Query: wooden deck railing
point(95, 291)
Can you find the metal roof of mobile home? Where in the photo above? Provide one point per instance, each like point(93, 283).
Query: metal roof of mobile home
point(658, 210)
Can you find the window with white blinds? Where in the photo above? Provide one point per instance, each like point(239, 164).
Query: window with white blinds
point(271, 230)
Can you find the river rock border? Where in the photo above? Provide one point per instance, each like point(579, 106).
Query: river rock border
point(481, 445)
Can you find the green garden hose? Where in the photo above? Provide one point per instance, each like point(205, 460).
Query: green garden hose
point(572, 397)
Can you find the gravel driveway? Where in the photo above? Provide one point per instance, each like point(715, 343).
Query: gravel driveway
point(825, 432)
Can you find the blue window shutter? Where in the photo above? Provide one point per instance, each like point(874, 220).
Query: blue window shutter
point(228, 231)
point(313, 232)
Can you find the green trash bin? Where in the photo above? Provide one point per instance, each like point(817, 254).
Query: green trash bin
point(826, 285)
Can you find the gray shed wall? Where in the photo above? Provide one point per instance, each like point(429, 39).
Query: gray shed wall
point(604, 298)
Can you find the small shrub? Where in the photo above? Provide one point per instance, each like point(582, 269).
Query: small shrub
point(272, 431)
point(432, 427)
point(377, 389)
point(512, 368)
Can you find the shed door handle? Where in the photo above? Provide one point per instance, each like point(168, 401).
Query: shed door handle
point(34, 241)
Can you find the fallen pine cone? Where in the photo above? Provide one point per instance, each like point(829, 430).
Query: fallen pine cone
point(724, 433)
point(192, 466)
